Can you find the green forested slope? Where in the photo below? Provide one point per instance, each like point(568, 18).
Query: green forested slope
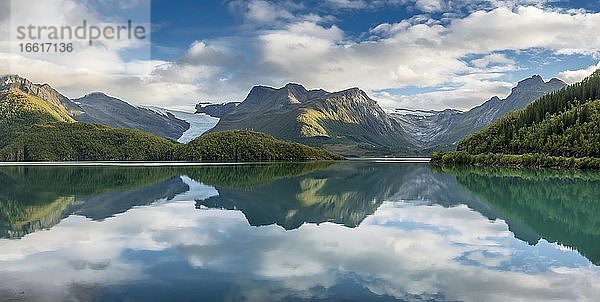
point(561, 129)
point(86, 142)
point(34, 129)
point(19, 111)
point(247, 146)
point(91, 142)
point(563, 123)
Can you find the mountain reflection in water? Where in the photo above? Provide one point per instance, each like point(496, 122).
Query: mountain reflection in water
point(385, 211)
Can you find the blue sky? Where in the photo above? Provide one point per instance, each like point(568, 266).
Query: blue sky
point(425, 54)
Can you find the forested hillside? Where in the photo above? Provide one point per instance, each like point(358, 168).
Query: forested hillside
point(19, 111)
point(443, 130)
point(231, 146)
point(561, 129)
point(87, 142)
point(563, 123)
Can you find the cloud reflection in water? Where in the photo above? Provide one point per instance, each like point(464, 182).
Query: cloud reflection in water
point(402, 251)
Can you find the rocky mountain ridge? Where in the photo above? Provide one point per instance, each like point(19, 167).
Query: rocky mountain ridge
point(442, 130)
point(101, 109)
point(348, 121)
point(43, 91)
point(216, 110)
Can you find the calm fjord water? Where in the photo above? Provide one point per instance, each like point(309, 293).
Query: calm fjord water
point(351, 231)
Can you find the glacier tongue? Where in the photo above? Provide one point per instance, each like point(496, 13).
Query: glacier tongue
point(199, 123)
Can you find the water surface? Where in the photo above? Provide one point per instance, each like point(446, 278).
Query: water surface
point(351, 231)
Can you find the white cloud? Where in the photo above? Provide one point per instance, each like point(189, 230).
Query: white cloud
point(102, 67)
point(269, 14)
point(492, 59)
point(526, 27)
point(437, 6)
point(348, 4)
point(470, 6)
point(430, 5)
point(573, 76)
point(474, 90)
point(200, 53)
point(264, 12)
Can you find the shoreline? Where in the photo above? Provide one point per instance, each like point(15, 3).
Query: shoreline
point(529, 160)
point(190, 164)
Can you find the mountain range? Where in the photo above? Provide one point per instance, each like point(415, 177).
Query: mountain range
point(351, 123)
point(442, 130)
point(39, 124)
point(347, 122)
point(102, 109)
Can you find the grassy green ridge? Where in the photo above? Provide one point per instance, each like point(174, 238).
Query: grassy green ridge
point(33, 129)
point(87, 142)
point(561, 129)
point(91, 142)
point(19, 111)
point(233, 146)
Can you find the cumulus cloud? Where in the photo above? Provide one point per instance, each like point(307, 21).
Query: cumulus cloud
point(526, 27)
point(424, 54)
point(100, 67)
point(258, 12)
point(437, 6)
point(429, 5)
point(573, 76)
point(473, 90)
point(200, 53)
point(492, 59)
